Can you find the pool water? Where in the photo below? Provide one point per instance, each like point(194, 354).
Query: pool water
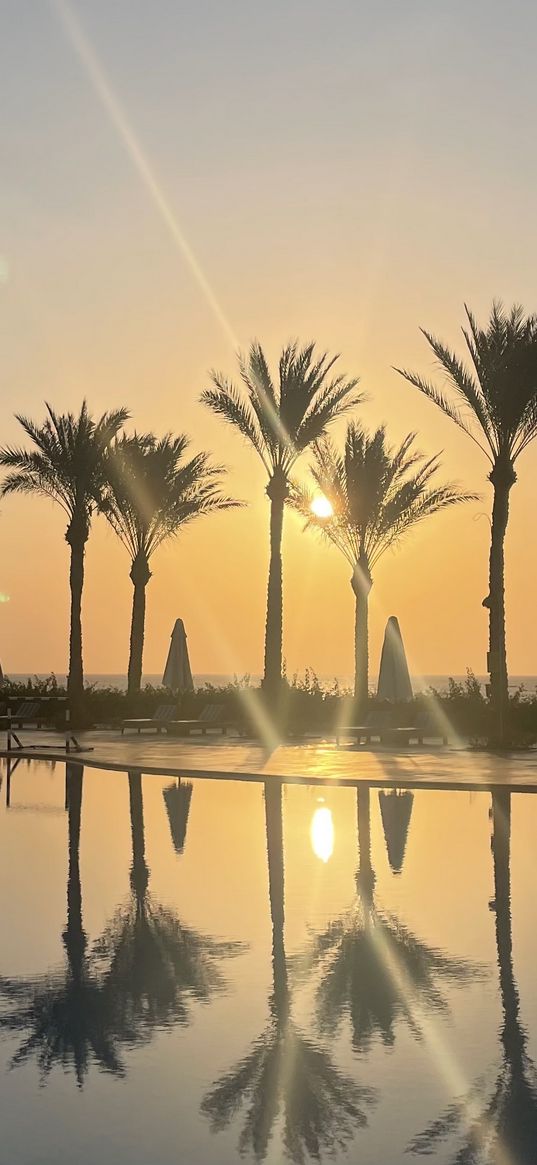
point(209, 971)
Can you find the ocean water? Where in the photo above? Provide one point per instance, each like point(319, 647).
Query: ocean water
point(419, 683)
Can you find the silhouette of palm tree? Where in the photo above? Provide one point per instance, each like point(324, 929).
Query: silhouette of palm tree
point(504, 1124)
point(495, 403)
point(151, 493)
point(67, 466)
point(68, 1019)
point(156, 965)
point(372, 968)
point(280, 422)
point(377, 495)
point(284, 1072)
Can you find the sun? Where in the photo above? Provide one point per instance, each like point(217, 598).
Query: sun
point(321, 507)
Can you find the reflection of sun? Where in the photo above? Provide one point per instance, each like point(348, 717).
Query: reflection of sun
point(321, 507)
point(322, 833)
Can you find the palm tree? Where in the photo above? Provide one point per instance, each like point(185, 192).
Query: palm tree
point(66, 1016)
point(372, 968)
point(66, 465)
point(151, 493)
point(377, 494)
point(495, 403)
point(280, 422)
point(284, 1072)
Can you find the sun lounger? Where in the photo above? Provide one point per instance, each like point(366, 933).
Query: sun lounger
point(29, 712)
point(159, 720)
point(373, 728)
point(380, 726)
point(211, 719)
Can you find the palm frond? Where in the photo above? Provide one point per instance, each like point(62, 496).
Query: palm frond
point(444, 404)
point(282, 420)
point(66, 461)
point(152, 492)
point(377, 493)
point(226, 402)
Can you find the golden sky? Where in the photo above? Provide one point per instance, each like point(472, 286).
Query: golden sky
point(178, 183)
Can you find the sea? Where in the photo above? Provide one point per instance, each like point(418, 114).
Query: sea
point(419, 683)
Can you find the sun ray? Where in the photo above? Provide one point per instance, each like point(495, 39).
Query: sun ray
point(111, 103)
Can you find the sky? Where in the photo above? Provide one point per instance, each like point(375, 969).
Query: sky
point(180, 178)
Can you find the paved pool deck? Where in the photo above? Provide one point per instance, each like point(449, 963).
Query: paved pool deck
point(310, 762)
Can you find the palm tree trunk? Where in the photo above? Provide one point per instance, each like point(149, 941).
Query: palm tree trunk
point(75, 679)
point(365, 875)
point(512, 1036)
point(275, 860)
point(73, 936)
point(277, 490)
point(361, 583)
point(502, 478)
point(134, 682)
point(139, 869)
point(140, 575)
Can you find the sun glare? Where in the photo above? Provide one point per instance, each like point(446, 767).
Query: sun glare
point(322, 833)
point(321, 507)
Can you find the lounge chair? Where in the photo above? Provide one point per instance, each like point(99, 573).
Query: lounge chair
point(159, 720)
point(375, 727)
point(211, 719)
point(29, 712)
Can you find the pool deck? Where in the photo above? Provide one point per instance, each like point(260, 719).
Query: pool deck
point(310, 762)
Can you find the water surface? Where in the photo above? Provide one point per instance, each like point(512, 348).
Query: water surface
point(206, 971)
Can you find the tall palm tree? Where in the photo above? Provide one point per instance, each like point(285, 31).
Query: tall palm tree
point(280, 421)
point(66, 465)
point(377, 494)
point(284, 1073)
point(151, 493)
point(494, 401)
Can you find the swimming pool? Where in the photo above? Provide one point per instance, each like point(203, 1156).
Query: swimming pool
point(201, 971)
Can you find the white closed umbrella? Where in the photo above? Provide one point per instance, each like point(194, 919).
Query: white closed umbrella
point(177, 673)
point(394, 679)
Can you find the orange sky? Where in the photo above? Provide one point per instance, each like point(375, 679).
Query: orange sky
point(332, 191)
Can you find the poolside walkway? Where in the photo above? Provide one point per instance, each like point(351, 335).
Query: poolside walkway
point(310, 762)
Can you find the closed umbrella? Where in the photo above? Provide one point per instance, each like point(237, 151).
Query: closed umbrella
point(394, 680)
point(177, 673)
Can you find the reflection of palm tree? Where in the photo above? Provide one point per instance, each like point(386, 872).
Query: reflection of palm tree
point(156, 965)
point(284, 1071)
point(66, 1017)
point(372, 967)
point(507, 1122)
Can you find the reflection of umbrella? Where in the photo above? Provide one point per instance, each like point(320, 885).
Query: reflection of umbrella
point(396, 811)
point(177, 673)
point(394, 680)
point(177, 800)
